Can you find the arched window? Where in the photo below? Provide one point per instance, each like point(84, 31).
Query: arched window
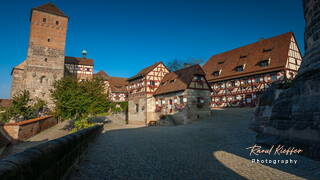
point(42, 79)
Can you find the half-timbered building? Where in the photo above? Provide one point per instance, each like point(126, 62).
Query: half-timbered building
point(80, 68)
point(238, 76)
point(184, 94)
point(115, 87)
point(141, 88)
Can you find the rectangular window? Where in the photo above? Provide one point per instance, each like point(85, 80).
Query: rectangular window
point(152, 83)
point(198, 78)
point(181, 99)
point(137, 107)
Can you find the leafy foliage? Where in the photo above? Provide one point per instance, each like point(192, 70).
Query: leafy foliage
point(177, 64)
point(23, 108)
point(81, 124)
point(78, 100)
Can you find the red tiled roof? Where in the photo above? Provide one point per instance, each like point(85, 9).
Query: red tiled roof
point(78, 61)
point(102, 74)
point(278, 55)
point(178, 80)
point(5, 102)
point(50, 8)
point(145, 71)
point(118, 84)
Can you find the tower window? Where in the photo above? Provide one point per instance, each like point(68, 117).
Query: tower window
point(57, 22)
point(42, 79)
point(44, 20)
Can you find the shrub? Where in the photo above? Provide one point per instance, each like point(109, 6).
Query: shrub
point(74, 99)
point(81, 124)
point(21, 108)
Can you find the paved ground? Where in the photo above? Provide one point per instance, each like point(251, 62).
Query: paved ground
point(210, 149)
point(54, 132)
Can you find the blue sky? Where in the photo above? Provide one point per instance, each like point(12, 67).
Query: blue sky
point(124, 36)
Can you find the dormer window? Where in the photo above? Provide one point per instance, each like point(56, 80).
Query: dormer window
point(267, 50)
point(264, 63)
point(197, 77)
point(243, 56)
point(216, 73)
point(239, 68)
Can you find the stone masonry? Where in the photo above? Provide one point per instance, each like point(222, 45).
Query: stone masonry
point(46, 52)
point(292, 116)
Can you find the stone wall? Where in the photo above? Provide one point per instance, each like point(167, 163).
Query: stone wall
point(51, 160)
point(25, 129)
point(292, 116)
point(45, 59)
point(137, 117)
point(118, 118)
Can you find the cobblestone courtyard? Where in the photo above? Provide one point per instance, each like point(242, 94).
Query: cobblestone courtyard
point(209, 149)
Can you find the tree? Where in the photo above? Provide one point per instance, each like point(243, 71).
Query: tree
point(79, 100)
point(21, 108)
point(176, 64)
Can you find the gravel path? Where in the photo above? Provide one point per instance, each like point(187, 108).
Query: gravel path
point(208, 149)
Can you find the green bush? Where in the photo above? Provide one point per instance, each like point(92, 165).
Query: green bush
point(79, 100)
point(74, 99)
point(21, 106)
point(81, 124)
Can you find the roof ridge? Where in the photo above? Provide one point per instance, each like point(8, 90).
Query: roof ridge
point(273, 37)
point(50, 8)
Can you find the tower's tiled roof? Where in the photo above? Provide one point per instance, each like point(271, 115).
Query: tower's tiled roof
point(178, 80)
point(78, 61)
point(145, 71)
point(50, 8)
point(275, 48)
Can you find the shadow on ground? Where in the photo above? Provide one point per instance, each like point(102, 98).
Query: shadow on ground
point(208, 149)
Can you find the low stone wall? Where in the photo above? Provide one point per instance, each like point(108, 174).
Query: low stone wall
point(118, 118)
point(25, 129)
point(51, 160)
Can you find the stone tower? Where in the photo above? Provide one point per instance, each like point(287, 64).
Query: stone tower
point(46, 53)
point(292, 116)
